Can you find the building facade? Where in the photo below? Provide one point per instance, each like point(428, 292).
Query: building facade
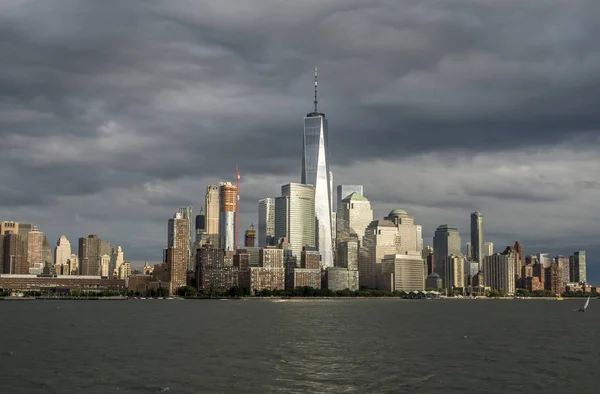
point(227, 218)
point(446, 242)
point(498, 272)
point(344, 191)
point(295, 216)
point(578, 267)
point(477, 237)
point(266, 221)
point(315, 171)
point(212, 214)
point(353, 216)
point(177, 252)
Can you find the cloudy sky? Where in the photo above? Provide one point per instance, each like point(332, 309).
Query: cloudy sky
point(115, 113)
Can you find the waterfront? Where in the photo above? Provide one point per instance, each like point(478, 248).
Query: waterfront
point(301, 345)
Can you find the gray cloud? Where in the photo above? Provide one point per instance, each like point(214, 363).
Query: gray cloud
point(114, 113)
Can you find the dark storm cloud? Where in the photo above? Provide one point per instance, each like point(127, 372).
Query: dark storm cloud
point(107, 98)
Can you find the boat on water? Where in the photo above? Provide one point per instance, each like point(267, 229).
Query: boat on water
point(558, 298)
point(584, 307)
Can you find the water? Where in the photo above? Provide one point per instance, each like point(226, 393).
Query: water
point(314, 346)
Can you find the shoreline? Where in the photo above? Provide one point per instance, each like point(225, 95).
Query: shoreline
point(125, 298)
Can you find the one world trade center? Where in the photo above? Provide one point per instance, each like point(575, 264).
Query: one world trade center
point(315, 171)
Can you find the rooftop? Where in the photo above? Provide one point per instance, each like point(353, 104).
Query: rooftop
point(355, 197)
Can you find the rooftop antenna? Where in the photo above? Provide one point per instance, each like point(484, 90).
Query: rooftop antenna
point(316, 90)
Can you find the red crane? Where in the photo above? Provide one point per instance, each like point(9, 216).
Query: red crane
point(237, 209)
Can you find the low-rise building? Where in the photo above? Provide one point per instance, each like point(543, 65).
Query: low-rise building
point(61, 283)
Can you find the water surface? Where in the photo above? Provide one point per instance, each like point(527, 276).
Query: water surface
point(299, 346)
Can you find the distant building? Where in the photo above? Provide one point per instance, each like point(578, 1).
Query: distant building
point(454, 272)
point(344, 191)
point(177, 252)
point(34, 252)
point(476, 237)
point(212, 214)
point(266, 221)
point(295, 216)
point(271, 273)
point(402, 272)
point(89, 284)
point(446, 242)
point(250, 237)
point(488, 249)
point(353, 216)
point(105, 264)
point(433, 281)
point(227, 218)
point(498, 272)
point(577, 267)
point(341, 279)
point(90, 256)
point(213, 270)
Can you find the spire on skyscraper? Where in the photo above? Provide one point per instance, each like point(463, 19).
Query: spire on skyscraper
point(316, 101)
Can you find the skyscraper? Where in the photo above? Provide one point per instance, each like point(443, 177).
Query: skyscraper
point(446, 242)
point(62, 252)
point(212, 213)
point(186, 213)
point(315, 171)
point(34, 251)
point(353, 217)
point(477, 237)
point(577, 267)
point(250, 237)
point(344, 191)
point(227, 218)
point(176, 254)
point(295, 216)
point(90, 258)
point(266, 221)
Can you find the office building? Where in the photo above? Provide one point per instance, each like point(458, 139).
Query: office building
point(250, 237)
point(469, 251)
point(381, 239)
point(270, 275)
point(476, 237)
point(338, 279)
point(266, 221)
point(402, 272)
point(353, 217)
point(34, 251)
point(446, 242)
point(315, 171)
point(227, 218)
point(215, 270)
point(187, 214)
point(14, 253)
point(498, 273)
point(454, 272)
point(407, 230)
point(90, 255)
point(577, 267)
point(177, 252)
point(488, 249)
point(344, 191)
point(212, 214)
point(295, 216)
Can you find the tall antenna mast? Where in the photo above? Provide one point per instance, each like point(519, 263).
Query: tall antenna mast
point(316, 89)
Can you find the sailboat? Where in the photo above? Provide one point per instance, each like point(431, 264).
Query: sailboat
point(582, 309)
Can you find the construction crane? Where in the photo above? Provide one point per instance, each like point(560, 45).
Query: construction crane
point(237, 209)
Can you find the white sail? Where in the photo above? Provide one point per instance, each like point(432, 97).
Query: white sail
point(586, 303)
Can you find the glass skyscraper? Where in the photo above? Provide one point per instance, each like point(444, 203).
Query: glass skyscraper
point(315, 171)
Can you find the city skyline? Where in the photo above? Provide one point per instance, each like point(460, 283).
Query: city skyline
point(117, 158)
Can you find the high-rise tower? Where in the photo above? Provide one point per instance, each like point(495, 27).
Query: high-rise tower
point(228, 203)
point(477, 237)
point(315, 171)
point(212, 214)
